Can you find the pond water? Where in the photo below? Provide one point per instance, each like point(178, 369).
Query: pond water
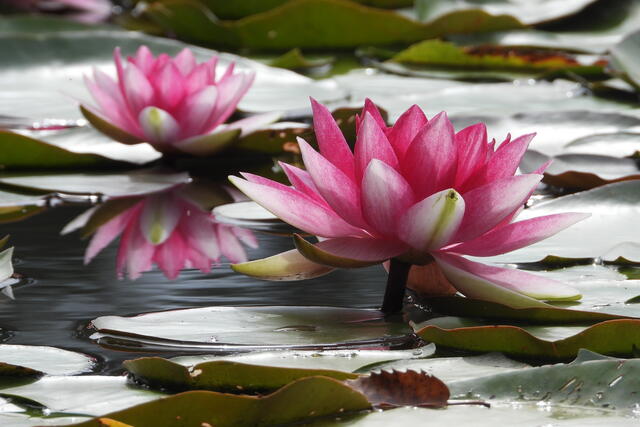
point(61, 296)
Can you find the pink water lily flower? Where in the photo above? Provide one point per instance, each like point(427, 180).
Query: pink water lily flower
point(169, 229)
point(175, 104)
point(86, 11)
point(417, 193)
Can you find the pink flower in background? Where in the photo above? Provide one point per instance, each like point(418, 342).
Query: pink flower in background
point(175, 104)
point(86, 11)
point(418, 192)
point(172, 231)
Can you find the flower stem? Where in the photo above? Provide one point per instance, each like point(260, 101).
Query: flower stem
point(396, 284)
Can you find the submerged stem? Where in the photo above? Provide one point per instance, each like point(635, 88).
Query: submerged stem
point(396, 285)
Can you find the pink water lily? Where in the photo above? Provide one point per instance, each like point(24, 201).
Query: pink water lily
point(170, 229)
point(175, 104)
point(417, 193)
point(86, 11)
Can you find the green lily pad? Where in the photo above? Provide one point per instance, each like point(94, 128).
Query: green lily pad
point(240, 329)
point(343, 360)
point(453, 368)
point(47, 360)
point(86, 395)
point(41, 24)
point(220, 375)
point(610, 233)
point(253, 216)
point(581, 171)
point(528, 13)
point(619, 144)
point(396, 94)
point(109, 185)
point(289, 404)
point(295, 60)
point(613, 337)
point(625, 58)
point(605, 384)
point(29, 91)
point(314, 24)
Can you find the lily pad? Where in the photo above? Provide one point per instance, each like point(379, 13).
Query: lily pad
point(252, 216)
point(28, 89)
point(619, 144)
point(343, 360)
point(315, 24)
point(87, 395)
point(109, 185)
point(284, 406)
point(581, 171)
point(526, 12)
point(605, 384)
point(611, 233)
point(625, 58)
point(220, 375)
point(613, 337)
point(224, 329)
point(48, 360)
point(295, 60)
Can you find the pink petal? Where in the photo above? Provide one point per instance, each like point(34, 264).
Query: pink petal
point(144, 60)
point(246, 236)
point(185, 61)
point(430, 223)
point(518, 234)
point(112, 102)
point(109, 231)
point(197, 111)
point(506, 159)
point(230, 245)
point(199, 233)
point(295, 208)
point(372, 143)
point(385, 197)
point(405, 129)
point(254, 123)
point(170, 86)
point(471, 144)
point(159, 127)
point(200, 77)
point(159, 217)
point(139, 253)
point(363, 249)
point(340, 192)
point(431, 160)
point(301, 181)
point(371, 108)
point(138, 91)
point(331, 142)
point(475, 280)
point(230, 91)
point(488, 205)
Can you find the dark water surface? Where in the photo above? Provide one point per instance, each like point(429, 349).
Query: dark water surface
point(62, 295)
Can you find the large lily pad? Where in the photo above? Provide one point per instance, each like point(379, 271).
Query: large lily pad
point(343, 360)
point(221, 375)
point(610, 233)
point(223, 329)
point(619, 144)
point(396, 94)
point(287, 405)
point(30, 90)
point(315, 24)
point(613, 337)
point(48, 360)
point(605, 384)
point(109, 185)
point(625, 58)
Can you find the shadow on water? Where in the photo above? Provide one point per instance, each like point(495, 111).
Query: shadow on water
point(64, 295)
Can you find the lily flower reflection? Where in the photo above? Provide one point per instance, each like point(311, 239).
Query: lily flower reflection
point(172, 229)
point(86, 11)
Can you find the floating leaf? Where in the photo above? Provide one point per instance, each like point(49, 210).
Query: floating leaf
point(48, 360)
point(289, 404)
point(606, 384)
point(110, 185)
point(613, 337)
point(252, 216)
point(224, 329)
point(315, 24)
point(294, 60)
point(410, 388)
point(611, 232)
point(625, 58)
point(220, 375)
point(619, 144)
point(343, 360)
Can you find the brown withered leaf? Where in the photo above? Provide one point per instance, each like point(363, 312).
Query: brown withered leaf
point(395, 388)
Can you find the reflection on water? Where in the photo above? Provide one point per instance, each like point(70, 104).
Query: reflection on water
point(65, 295)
